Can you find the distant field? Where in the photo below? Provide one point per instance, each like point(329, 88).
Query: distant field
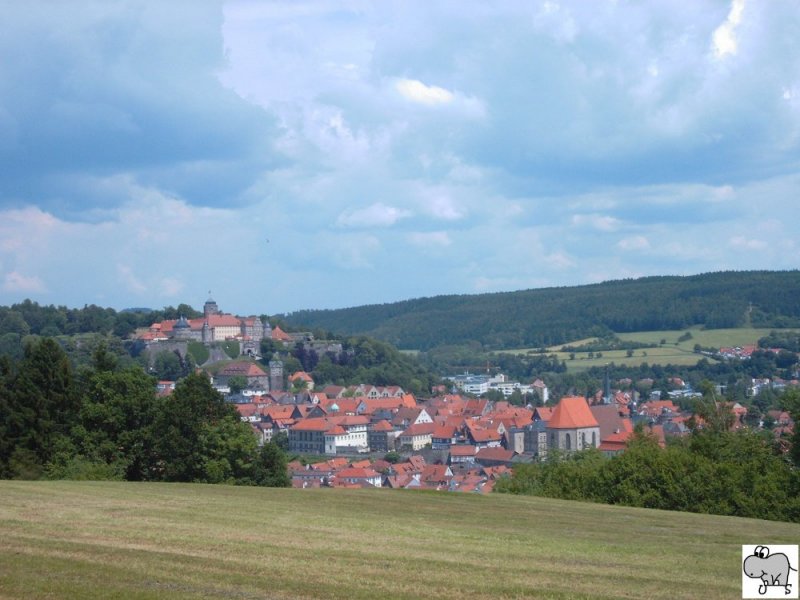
point(670, 352)
point(126, 540)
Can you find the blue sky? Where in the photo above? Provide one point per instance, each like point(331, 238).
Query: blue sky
point(290, 155)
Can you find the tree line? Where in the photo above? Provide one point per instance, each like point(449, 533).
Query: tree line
point(105, 421)
point(554, 316)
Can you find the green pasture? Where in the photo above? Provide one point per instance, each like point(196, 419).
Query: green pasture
point(664, 347)
point(147, 541)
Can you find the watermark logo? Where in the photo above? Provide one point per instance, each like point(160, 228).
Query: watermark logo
point(769, 571)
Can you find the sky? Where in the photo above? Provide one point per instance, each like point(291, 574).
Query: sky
point(324, 154)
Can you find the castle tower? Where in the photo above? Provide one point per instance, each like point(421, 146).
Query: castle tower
point(182, 330)
point(275, 375)
point(206, 335)
point(210, 307)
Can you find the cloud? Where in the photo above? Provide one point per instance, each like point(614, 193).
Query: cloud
point(15, 282)
point(598, 222)
point(375, 215)
point(636, 242)
point(528, 144)
point(724, 40)
point(124, 89)
point(416, 91)
point(356, 253)
point(130, 280)
point(430, 238)
point(438, 203)
point(744, 243)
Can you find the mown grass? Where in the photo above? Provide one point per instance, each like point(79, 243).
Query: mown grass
point(124, 540)
point(671, 351)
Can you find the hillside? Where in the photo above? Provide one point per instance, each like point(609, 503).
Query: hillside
point(102, 540)
point(551, 316)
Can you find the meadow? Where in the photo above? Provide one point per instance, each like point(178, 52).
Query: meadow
point(128, 540)
point(664, 347)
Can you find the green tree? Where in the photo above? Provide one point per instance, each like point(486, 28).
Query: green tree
point(237, 383)
point(43, 407)
point(790, 400)
point(167, 366)
point(6, 444)
point(271, 467)
point(116, 421)
point(228, 449)
point(183, 442)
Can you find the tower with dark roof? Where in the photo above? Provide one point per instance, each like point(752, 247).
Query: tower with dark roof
point(210, 307)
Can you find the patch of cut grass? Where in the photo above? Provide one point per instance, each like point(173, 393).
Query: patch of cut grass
point(672, 351)
point(127, 540)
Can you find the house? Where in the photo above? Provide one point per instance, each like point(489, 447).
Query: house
point(417, 436)
point(572, 426)
point(436, 476)
point(443, 436)
point(254, 376)
point(358, 475)
point(301, 379)
point(382, 436)
point(485, 437)
point(329, 435)
point(494, 456)
point(462, 454)
point(610, 420)
point(411, 416)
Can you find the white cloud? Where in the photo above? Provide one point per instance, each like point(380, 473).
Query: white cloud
point(375, 215)
point(439, 204)
point(127, 277)
point(744, 243)
point(171, 287)
point(724, 39)
point(356, 252)
point(430, 238)
point(416, 91)
point(598, 222)
point(636, 242)
point(15, 282)
point(559, 261)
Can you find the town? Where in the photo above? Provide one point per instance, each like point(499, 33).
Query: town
point(453, 440)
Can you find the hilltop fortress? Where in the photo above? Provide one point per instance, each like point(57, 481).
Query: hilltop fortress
point(213, 326)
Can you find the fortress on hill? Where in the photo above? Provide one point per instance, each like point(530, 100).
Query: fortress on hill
point(213, 326)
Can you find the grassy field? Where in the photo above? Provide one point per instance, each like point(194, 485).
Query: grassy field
point(671, 351)
point(125, 540)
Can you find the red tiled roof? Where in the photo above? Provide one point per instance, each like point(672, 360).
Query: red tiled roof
point(494, 454)
point(280, 335)
point(221, 321)
point(444, 431)
point(246, 369)
point(357, 473)
point(462, 450)
point(420, 429)
point(572, 412)
point(382, 425)
point(300, 375)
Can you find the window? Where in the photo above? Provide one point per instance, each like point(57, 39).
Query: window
point(594, 439)
point(568, 442)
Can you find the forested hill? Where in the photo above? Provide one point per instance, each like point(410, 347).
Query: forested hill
point(545, 317)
